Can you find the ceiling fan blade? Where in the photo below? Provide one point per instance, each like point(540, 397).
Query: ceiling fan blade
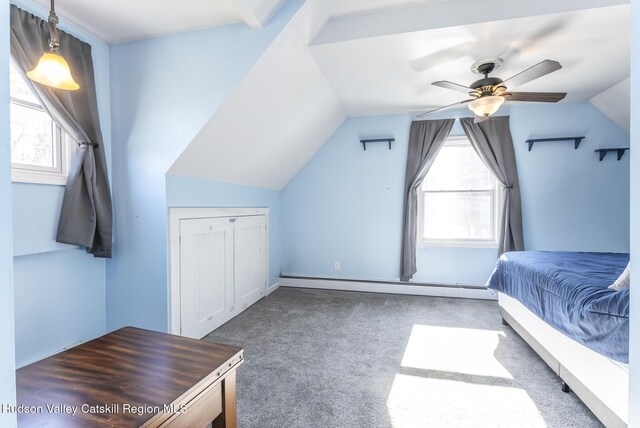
point(443, 108)
point(540, 97)
point(442, 57)
point(454, 86)
point(523, 43)
point(540, 69)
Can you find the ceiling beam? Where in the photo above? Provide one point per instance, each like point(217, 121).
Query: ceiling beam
point(441, 14)
point(247, 14)
point(257, 13)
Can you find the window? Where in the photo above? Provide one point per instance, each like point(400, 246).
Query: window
point(459, 199)
point(39, 148)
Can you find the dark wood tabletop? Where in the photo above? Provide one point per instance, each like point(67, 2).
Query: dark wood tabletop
point(117, 379)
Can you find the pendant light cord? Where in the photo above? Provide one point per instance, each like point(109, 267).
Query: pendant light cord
point(54, 41)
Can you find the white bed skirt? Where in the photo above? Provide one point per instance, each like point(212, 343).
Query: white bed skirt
point(600, 382)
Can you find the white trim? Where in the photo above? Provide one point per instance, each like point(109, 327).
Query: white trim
point(273, 288)
point(457, 140)
point(174, 274)
point(65, 151)
point(207, 212)
point(389, 288)
point(20, 175)
point(480, 243)
point(600, 382)
point(177, 214)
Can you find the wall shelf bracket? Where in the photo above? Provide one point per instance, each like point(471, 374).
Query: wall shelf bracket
point(576, 141)
point(619, 152)
point(377, 140)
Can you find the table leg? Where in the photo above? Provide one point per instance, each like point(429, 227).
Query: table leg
point(227, 419)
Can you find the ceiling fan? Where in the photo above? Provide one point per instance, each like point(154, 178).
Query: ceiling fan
point(489, 93)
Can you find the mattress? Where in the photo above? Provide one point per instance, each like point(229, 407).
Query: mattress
point(568, 291)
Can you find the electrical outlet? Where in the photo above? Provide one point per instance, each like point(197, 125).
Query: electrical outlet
point(336, 265)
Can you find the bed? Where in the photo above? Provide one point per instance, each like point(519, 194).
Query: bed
point(559, 302)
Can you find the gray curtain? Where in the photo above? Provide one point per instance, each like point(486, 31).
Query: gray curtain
point(86, 215)
point(491, 139)
point(426, 138)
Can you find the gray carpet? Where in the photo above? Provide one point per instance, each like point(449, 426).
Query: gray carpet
point(316, 358)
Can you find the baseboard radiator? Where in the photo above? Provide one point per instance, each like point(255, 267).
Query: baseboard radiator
point(389, 287)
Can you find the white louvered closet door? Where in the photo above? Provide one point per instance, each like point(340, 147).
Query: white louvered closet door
point(206, 274)
point(250, 260)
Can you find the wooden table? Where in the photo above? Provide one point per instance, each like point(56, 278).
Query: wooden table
point(132, 378)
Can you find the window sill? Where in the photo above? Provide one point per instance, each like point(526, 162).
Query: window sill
point(460, 244)
point(37, 177)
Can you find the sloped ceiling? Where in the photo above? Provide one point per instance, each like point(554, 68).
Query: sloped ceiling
point(615, 102)
point(273, 122)
point(408, 16)
point(325, 66)
point(393, 74)
point(339, 58)
point(116, 21)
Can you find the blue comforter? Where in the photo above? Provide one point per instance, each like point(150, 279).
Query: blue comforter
point(569, 292)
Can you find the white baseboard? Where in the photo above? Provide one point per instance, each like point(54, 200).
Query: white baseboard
point(389, 288)
point(273, 288)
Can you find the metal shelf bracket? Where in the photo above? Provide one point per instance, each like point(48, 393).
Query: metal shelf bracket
point(576, 141)
point(377, 140)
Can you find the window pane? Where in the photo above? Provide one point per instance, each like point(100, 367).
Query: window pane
point(18, 88)
point(460, 215)
point(458, 167)
point(31, 137)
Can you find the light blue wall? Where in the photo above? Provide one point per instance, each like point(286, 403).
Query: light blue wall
point(36, 208)
point(634, 334)
point(570, 200)
point(56, 284)
point(53, 309)
point(7, 356)
point(346, 204)
point(191, 192)
point(163, 91)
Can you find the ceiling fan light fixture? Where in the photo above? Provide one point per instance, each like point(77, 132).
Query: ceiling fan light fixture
point(52, 69)
point(486, 106)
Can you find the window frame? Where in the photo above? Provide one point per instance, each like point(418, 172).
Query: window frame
point(63, 150)
point(496, 205)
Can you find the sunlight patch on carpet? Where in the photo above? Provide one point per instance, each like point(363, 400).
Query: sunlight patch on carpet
point(457, 350)
point(416, 401)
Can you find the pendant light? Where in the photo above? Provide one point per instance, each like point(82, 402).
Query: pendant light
point(487, 105)
point(52, 69)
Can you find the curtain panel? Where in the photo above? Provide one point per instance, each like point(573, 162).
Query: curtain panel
point(491, 139)
point(86, 214)
point(426, 138)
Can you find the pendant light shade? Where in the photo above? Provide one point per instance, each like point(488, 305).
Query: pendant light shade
point(52, 69)
point(486, 106)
